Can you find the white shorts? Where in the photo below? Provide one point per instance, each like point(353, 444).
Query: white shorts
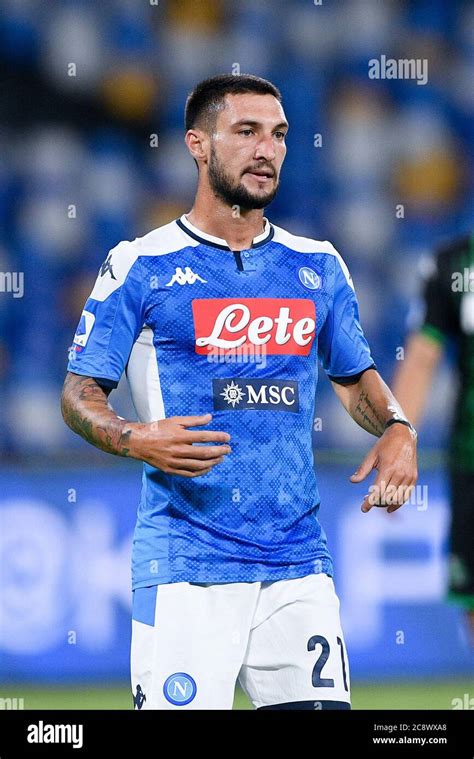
point(282, 640)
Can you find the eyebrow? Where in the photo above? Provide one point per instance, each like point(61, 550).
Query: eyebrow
point(252, 122)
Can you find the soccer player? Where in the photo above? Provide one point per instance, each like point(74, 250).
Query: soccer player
point(448, 316)
point(218, 319)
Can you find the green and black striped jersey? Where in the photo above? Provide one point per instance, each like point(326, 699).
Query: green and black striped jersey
point(449, 315)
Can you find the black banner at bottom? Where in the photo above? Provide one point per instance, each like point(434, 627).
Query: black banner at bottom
point(217, 733)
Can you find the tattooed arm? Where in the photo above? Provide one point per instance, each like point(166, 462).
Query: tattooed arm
point(85, 410)
point(165, 444)
point(371, 404)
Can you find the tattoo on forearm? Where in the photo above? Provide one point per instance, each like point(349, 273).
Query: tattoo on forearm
point(367, 416)
point(86, 411)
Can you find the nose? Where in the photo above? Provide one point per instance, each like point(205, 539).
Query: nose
point(265, 148)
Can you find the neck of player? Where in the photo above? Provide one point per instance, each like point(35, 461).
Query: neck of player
point(216, 218)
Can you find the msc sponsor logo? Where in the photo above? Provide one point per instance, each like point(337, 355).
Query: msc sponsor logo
point(284, 325)
point(179, 689)
point(241, 393)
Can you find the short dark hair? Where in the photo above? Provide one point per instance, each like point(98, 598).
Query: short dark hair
point(207, 98)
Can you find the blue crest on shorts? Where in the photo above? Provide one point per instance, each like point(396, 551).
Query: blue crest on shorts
point(179, 689)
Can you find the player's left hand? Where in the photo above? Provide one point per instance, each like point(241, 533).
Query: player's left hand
point(394, 456)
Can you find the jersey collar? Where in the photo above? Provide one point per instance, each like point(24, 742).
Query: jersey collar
point(216, 242)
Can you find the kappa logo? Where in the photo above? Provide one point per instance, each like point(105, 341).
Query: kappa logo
point(107, 267)
point(241, 393)
point(186, 277)
point(139, 698)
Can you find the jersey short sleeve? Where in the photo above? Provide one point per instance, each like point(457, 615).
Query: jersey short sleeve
point(342, 347)
point(111, 320)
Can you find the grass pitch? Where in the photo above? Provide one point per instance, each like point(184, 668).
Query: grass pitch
point(396, 695)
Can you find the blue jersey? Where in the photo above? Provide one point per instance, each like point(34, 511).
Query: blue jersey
point(200, 328)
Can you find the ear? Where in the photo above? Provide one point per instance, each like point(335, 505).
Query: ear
point(197, 142)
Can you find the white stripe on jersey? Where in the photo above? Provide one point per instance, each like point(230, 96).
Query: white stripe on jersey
point(144, 378)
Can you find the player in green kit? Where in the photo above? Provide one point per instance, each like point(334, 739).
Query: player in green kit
point(449, 316)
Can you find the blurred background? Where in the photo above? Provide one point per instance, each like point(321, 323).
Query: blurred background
point(92, 152)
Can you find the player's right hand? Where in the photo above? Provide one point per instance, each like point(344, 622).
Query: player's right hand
point(168, 445)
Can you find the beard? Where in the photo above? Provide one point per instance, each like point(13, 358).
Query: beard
point(225, 188)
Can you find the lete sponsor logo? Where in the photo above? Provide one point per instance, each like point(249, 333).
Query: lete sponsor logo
point(283, 325)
